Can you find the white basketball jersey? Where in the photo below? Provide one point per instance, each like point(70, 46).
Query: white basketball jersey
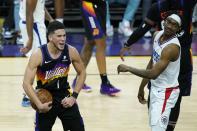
point(39, 13)
point(169, 77)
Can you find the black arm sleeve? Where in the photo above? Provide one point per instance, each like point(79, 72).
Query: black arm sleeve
point(137, 34)
point(150, 21)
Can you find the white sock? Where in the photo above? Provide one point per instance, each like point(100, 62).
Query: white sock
point(60, 20)
point(108, 24)
point(125, 22)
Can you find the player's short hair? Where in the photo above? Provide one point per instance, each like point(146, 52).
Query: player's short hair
point(53, 26)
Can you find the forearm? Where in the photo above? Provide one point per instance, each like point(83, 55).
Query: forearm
point(143, 83)
point(29, 25)
point(148, 74)
point(137, 34)
point(80, 81)
point(48, 17)
point(31, 94)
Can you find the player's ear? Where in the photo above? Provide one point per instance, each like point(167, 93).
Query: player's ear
point(49, 37)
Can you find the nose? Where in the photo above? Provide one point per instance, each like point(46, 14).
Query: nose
point(63, 38)
point(170, 26)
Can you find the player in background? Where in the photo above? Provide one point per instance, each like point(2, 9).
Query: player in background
point(94, 19)
point(162, 72)
point(155, 17)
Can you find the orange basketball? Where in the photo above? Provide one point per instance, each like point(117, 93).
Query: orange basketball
point(44, 96)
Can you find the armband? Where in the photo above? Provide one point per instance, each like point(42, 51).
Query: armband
point(75, 95)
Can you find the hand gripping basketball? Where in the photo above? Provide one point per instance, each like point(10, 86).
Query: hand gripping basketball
point(43, 95)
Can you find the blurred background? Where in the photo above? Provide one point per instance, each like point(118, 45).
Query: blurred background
point(11, 40)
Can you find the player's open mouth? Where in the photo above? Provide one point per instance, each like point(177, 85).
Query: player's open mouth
point(61, 43)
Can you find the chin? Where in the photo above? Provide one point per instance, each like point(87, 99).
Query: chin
point(61, 49)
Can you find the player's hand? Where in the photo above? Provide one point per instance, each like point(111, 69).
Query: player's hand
point(123, 51)
point(27, 48)
point(51, 20)
point(68, 101)
point(45, 107)
point(122, 68)
point(140, 96)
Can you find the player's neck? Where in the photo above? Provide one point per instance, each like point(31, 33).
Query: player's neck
point(164, 37)
point(53, 51)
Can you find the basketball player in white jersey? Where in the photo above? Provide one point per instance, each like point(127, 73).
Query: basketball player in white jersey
point(162, 71)
point(33, 30)
point(32, 24)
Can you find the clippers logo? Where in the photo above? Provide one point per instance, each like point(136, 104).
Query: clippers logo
point(164, 120)
point(53, 73)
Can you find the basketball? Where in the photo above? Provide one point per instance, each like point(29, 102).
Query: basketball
point(43, 95)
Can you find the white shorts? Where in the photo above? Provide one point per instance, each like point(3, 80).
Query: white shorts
point(39, 35)
point(161, 103)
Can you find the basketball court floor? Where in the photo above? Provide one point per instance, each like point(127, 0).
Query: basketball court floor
point(100, 112)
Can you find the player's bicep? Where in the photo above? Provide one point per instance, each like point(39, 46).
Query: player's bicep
point(160, 66)
point(163, 62)
point(76, 60)
point(30, 72)
point(169, 54)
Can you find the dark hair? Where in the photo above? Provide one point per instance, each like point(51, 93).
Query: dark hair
point(53, 26)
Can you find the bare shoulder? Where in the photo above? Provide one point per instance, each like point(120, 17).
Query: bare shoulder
point(72, 50)
point(36, 57)
point(172, 51)
point(172, 48)
point(155, 33)
point(73, 53)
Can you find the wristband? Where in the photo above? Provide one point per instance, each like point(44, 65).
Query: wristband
point(75, 95)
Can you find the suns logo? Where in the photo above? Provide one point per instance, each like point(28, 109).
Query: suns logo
point(53, 73)
point(95, 31)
